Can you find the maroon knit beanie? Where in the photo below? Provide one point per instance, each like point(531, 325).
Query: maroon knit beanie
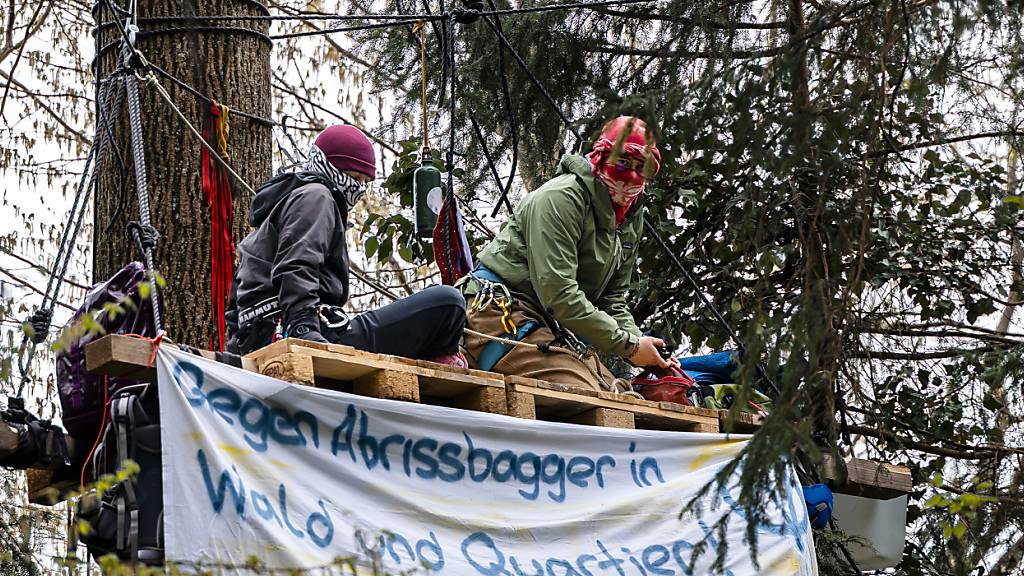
point(347, 148)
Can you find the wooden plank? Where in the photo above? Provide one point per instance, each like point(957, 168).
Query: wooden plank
point(744, 422)
point(444, 384)
point(562, 403)
point(339, 366)
point(482, 399)
point(127, 357)
point(120, 356)
point(867, 478)
point(519, 404)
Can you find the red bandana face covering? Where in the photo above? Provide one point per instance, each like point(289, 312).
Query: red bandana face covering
point(624, 184)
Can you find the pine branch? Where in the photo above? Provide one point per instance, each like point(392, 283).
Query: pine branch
point(944, 141)
point(916, 356)
point(921, 446)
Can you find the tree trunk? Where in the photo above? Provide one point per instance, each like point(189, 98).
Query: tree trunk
point(817, 301)
point(231, 66)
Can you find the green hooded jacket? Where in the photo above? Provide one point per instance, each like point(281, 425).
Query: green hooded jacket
point(561, 250)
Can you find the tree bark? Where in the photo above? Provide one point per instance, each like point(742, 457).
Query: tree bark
point(231, 66)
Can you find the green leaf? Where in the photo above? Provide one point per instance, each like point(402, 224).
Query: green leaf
point(959, 530)
point(1017, 201)
point(992, 403)
point(371, 245)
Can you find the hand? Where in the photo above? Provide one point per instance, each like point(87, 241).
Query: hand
point(648, 354)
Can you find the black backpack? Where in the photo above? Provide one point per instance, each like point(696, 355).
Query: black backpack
point(127, 520)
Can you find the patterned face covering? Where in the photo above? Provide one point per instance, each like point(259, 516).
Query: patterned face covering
point(624, 183)
point(317, 162)
point(634, 160)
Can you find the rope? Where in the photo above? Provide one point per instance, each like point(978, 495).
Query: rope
point(40, 320)
point(349, 29)
point(176, 29)
point(152, 81)
point(512, 121)
point(448, 205)
point(537, 83)
point(707, 302)
point(490, 162)
point(302, 17)
point(545, 348)
point(141, 183)
point(419, 27)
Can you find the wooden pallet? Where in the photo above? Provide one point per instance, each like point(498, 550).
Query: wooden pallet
point(338, 367)
point(344, 368)
point(540, 400)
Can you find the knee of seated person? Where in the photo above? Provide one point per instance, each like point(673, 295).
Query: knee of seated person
point(448, 296)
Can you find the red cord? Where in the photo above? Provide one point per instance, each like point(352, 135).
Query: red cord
point(154, 344)
point(103, 425)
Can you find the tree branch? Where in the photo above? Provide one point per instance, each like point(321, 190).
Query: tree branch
point(916, 356)
point(82, 138)
point(723, 55)
point(921, 446)
point(944, 141)
point(33, 288)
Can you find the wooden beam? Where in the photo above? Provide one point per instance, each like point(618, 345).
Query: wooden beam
point(869, 479)
point(127, 357)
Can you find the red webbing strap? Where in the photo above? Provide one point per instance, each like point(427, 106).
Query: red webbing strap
point(217, 191)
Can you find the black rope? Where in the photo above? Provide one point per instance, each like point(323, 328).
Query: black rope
point(558, 7)
point(182, 29)
point(301, 17)
point(319, 16)
point(450, 192)
point(346, 29)
point(490, 161)
point(191, 90)
point(512, 120)
point(707, 302)
point(533, 79)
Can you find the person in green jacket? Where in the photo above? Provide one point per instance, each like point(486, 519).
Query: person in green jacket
point(558, 272)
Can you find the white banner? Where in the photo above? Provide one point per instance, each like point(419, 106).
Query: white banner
point(299, 477)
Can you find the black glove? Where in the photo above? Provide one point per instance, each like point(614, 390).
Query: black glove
point(307, 331)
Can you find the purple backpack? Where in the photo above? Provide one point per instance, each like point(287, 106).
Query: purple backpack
point(81, 393)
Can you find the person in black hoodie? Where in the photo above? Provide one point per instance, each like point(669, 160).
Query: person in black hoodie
point(292, 278)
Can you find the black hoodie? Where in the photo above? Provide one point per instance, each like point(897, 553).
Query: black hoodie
point(297, 252)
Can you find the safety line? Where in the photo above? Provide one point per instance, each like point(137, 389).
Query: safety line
point(287, 18)
point(346, 29)
point(537, 83)
point(151, 79)
point(311, 17)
